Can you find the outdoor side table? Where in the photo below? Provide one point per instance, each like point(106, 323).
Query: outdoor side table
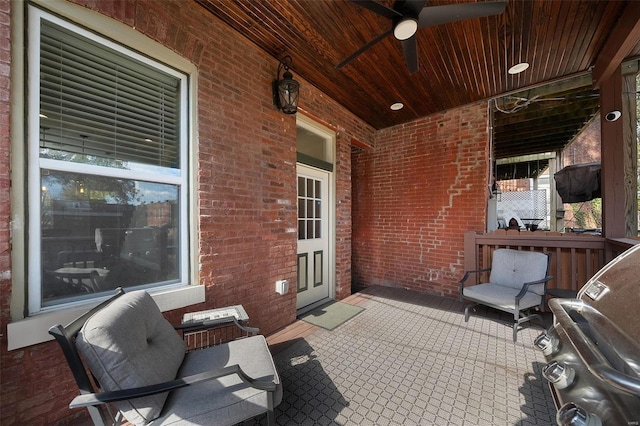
point(202, 329)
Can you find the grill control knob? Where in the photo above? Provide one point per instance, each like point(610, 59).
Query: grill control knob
point(558, 374)
point(571, 414)
point(547, 343)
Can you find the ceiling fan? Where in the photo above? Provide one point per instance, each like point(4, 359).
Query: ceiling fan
point(408, 16)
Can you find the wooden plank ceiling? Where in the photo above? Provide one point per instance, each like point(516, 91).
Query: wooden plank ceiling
point(459, 63)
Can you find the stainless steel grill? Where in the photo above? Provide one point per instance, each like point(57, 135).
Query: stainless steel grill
point(593, 348)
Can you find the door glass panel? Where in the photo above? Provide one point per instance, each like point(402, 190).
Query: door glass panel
point(310, 188)
point(310, 232)
point(313, 144)
point(309, 208)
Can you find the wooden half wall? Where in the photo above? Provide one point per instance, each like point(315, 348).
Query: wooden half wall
point(575, 257)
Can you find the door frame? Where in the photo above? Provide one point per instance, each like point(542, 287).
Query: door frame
point(330, 135)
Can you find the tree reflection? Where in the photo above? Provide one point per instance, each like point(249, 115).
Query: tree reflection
point(75, 186)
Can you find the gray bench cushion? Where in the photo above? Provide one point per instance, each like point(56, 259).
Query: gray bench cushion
point(510, 271)
point(501, 297)
point(512, 268)
point(130, 344)
point(227, 400)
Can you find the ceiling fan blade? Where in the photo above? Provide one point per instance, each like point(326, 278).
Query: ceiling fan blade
point(410, 49)
point(410, 7)
point(363, 48)
point(378, 8)
point(437, 15)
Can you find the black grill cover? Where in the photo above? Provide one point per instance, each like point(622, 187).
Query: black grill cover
point(578, 183)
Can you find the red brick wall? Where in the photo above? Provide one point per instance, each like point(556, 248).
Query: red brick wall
point(585, 148)
point(10, 366)
point(414, 195)
point(246, 190)
point(5, 60)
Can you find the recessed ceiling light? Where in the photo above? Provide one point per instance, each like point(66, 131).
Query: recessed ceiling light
point(518, 68)
point(397, 106)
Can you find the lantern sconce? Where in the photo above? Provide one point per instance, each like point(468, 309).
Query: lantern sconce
point(495, 191)
point(286, 92)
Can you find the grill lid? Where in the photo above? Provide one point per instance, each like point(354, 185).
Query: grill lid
point(614, 291)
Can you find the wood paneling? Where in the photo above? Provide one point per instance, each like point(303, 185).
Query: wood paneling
point(574, 260)
point(459, 63)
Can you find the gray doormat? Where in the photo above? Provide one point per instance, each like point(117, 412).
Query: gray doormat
point(331, 315)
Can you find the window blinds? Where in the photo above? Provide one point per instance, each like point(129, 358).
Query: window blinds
point(96, 101)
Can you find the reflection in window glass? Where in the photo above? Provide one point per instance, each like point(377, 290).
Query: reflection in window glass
point(99, 233)
point(310, 229)
point(310, 188)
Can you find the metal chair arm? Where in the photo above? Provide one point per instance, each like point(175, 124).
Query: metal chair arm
point(91, 399)
point(525, 286)
point(466, 276)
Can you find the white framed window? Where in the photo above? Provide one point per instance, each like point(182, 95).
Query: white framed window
point(107, 164)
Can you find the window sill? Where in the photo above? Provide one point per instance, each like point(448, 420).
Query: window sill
point(35, 329)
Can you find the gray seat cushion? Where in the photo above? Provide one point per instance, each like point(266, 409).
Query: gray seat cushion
point(129, 344)
point(227, 400)
point(501, 297)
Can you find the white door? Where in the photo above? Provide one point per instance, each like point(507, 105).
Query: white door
point(314, 280)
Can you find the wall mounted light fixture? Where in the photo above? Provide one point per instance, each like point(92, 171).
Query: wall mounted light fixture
point(286, 92)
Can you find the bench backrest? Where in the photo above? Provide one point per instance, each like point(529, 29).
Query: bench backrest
point(513, 268)
point(129, 344)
